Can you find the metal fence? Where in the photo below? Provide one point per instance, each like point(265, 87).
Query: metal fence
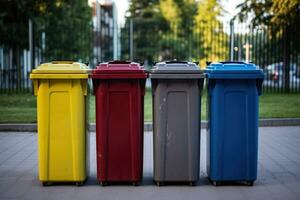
point(274, 49)
point(40, 43)
point(14, 77)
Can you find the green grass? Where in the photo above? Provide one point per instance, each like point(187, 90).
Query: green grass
point(92, 107)
point(148, 106)
point(279, 106)
point(17, 108)
point(21, 108)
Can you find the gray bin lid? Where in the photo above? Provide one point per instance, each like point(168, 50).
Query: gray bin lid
point(176, 69)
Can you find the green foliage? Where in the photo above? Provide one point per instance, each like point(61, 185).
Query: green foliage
point(282, 19)
point(67, 31)
point(175, 42)
point(286, 12)
point(14, 22)
point(175, 29)
point(65, 24)
point(148, 22)
point(210, 29)
point(173, 46)
point(270, 12)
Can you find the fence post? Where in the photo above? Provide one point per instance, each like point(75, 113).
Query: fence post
point(131, 39)
point(286, 59)
point(231, 47)
point(31, 49)
point(30, 39)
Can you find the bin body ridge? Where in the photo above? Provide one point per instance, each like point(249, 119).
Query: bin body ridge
point(119, 90)
point(61, 114)
point(235, 137)
point(232, 131)
point(119, 142)
point(176, 94)
point(176, 133)
point(61, 134)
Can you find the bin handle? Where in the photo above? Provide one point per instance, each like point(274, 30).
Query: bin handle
point(35, 86)
point(62, 62)
point(176, 61)
point(84, 86)
point(233, 62)
point(119, 62)
point(259, 83)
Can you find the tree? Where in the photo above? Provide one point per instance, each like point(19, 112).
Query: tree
point(65, 23)
point(148, 23)
point(209, 29)
point(270, 12)
point(171, 12)
point(179, 12)
point(188, 10)
point(67, 29)
point(166, 29)
point(283, 19)
point(175, 43)
point(14, 17)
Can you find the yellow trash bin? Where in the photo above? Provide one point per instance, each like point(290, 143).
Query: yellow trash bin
point(61, 90)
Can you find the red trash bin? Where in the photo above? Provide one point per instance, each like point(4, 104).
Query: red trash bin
point(119, 87)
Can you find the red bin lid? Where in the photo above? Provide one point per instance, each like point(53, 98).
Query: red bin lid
point(119, 69)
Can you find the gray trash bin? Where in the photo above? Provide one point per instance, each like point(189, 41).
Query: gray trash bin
point(176, 92)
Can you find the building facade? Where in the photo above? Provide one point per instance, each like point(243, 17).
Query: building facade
point(106, 45)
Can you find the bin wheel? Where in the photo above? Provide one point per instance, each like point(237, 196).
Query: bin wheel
point(192, 183)
point(103, 183)
point(159, 183)
point(79, 183)
point(216, 183)
point(46, 183)
point(250, 183)
point(135, 183)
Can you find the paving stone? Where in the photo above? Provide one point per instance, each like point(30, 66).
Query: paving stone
point(278, 172)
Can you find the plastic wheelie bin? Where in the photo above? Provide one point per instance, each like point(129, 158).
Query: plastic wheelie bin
point(232, 133)
point(119, 87)
point(176, 93)
point(61, 90)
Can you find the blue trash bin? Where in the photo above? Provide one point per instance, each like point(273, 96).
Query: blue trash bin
point(232, 132)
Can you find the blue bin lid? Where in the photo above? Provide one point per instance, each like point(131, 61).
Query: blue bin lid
point(234, 70)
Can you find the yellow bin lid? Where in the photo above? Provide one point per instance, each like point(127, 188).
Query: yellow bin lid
point(60, 70)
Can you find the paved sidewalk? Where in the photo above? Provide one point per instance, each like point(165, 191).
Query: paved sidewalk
point(278, 177)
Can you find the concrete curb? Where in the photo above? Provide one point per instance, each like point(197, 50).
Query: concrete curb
point(31, 127)
point(280, 122)
point(28, 127)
